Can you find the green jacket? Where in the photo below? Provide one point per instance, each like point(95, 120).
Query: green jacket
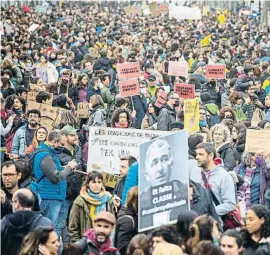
point(106, 95)
point(239, 114)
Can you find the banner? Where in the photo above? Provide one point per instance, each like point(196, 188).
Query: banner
point(129, 70)
point(129, 88)
point(191, 115)
point(178, 68)
point(107, 145)
point(83, 110)
point(257, 140)
point(31, 96)
point(184, 12)
point(163, 180)
point(216, 72)
point(153, 7)
point(185, 90)
point(163, 9)
point(161, 100)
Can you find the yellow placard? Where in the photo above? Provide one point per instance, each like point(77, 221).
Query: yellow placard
point(221, 18)
point(206, 40)
point(191, 115)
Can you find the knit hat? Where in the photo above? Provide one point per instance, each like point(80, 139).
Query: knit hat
point(105, 216)
point(193, 141)
point(167, 249)
point(205, 97)
point(177, 124)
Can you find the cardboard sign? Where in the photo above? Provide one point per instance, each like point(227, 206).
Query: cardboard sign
point(178, 68)
point(257, 140)
point(161, 100)
point(163, 9)
point(185, 90)
point(110, 180)
point(32, 105)
point(191, 115)
point(108, 145)
point(47, 123)
point(129, 70)
point(216, 72)
point(83, 110)
point(129, 88)
point(31, 96)
point(153, 7)
point(49, 111)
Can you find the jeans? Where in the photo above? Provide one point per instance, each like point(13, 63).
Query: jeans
point(51, 209)
point(62, 219)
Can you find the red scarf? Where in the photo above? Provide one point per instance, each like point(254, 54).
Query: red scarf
point(4, 114)
point(121, 125)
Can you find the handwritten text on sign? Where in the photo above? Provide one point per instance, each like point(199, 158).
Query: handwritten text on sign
point(83, 110)
point(257, 140)
point(128, 70)
point(161, 100)
point(216, 72)
point(129, 88)
point(185, 90)
point(178, 68)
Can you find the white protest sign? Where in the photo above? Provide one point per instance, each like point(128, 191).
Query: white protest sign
point(184, 12)
point(33, 27)
point(163, 180)
point(107, 145)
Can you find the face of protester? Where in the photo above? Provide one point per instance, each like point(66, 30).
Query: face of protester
point(85, 80)
point(39, 83)
point(123, 167)
point(42, 60)
point(17, 105)
point(151, 83)
point(234, 133)
point(41, 135)
point(229, 246)
point(10, 177)
point(33, 119)
point(202, 114)
point(267, 101)
point(88, 67)
point(122, 118)
point(253, 222)
point(52, 243)
point(23, 95)
point(151, 108)
point(72, 139)
point(266, 126)
point(228, 115)
point(159, 166)
point(102, 230)
point(107, 81)
point(203, 158)
point(218, 136)
point(95, 186)
point(157, 240)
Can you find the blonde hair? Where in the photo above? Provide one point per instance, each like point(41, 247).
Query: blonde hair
point(132, 198)
point(225, 129)
point(35, 141)
point(7, 63)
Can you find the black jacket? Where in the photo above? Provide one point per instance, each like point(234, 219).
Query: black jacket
point(126, 228)
point(15, 226)
point(166, 116)
point(226, 153)
point(6, 208)
point(118, 191)
point(74, 180)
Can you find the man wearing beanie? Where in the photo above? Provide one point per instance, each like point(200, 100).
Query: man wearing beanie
point(97, 240)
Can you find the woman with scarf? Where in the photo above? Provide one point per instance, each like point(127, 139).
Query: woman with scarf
point(150, 119)
point(255, 169)
point(93, 199)
point(121, 118)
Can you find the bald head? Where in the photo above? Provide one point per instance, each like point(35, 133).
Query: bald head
point(23, 199)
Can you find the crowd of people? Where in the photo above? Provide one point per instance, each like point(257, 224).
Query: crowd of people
point(51, 204)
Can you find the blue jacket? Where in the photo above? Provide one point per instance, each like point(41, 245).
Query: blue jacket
point(19, 141)
point(47, 189)
point(131, 180)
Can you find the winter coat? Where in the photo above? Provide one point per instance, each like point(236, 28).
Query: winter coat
point(6, 208)
point(260, 182)
point(253, 248)
point(97, 117)
point(222, 186)
point(54, 184)
point(249, 109)
point(238, 152)
point(91, 91)
point(267, 114)
point(166, 117)
point(131, 181)
point(15, 226)
point(149, 121)
point(212, 114)
point(225, 98)
point(19, 141)
point(126, 228)
point(52, 73)
point(74, 180)
point(140, 106)
point(118, 191)
point(79, 218)
point(88, 246)
point(242, 83)
point(226, 153)
point(102, 64)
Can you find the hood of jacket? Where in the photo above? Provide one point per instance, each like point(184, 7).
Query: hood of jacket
point(126, 211)
point(20, 222)
point(224, 147)
point(166, 106)
point(212, 108)
point(105, 61)
point(105, 247)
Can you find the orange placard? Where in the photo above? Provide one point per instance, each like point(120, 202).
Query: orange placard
point(178, 68)
point(185, 90)
point(216, 72)
point(161, 100)
point(128, 70)
point(129, 88)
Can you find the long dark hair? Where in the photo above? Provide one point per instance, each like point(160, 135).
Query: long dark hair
point(33, 239)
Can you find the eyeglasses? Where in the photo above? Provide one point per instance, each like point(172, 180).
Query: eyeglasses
point(33, 116)
point(8, 175)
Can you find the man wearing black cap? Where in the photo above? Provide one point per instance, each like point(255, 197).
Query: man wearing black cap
point(97, 240)
point(152, 86)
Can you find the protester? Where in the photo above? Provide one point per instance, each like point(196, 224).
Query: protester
point(139, 244)
point(98, 240)
point(231, 242)
point(16, 225)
